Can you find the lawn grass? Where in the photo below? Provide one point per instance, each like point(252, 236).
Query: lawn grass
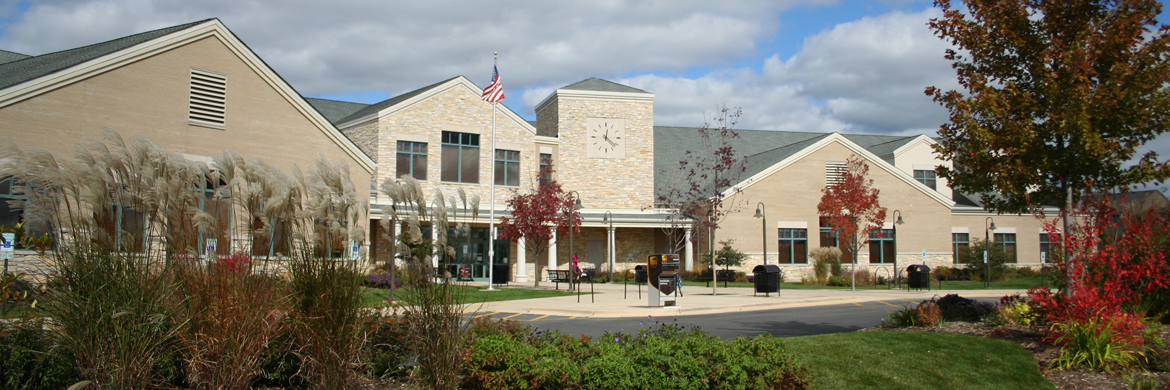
point(376, 297)
point(916, 360)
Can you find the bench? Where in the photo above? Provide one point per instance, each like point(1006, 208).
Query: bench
point(559, 276)
point(725, 275)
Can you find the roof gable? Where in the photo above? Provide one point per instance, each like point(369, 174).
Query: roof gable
point(596, 84)
point(372, 110)
point(67, 67)
point(406, 100)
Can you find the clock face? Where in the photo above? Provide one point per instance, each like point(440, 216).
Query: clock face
point(605, 138)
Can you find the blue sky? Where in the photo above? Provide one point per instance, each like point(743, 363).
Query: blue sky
point(798, 65)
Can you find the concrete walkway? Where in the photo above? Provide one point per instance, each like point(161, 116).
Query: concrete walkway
point(610, 300)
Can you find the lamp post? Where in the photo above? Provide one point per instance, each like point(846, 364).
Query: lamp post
point(609, 244)
point(897, 221)
point(576, 206)
point(763, 229)
point(986, 247)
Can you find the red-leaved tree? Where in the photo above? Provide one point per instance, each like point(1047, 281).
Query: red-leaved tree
point(851, 205)
point(535, 215)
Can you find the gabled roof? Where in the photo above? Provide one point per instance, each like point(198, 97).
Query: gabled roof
point(596, 84)
point(765, 149)
point(19, 71)
point(372, 109)
point(335, 110)
point(29, 77)
point(7, 56)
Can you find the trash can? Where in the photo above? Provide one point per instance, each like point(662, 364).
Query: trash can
point(501, 273)
point(767, 278)
point(918, 276)
point(640, 274)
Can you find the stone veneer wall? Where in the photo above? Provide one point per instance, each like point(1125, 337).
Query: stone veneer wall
point(366, 138)
point(548, 119)
point(462, 108)
point(607, 183)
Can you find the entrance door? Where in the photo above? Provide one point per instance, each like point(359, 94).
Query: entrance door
point(597, 254)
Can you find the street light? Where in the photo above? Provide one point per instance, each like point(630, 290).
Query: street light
point(609, 244)
point(763, 229)
point(576, 206)
point(897, 221)
point(986, 247)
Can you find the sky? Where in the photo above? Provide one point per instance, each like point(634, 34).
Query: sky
point(851, 66)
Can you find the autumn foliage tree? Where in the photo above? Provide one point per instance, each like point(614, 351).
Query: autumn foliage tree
point(1056, 95)
point(851, 207)
point(535, 215)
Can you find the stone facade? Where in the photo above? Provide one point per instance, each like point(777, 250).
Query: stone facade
point(365, 136)
point(625, 183)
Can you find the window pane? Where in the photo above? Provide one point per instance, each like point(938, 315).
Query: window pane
point(420, 166)
point(800, 250)
point(470, 165)
point(513, 174)
point(499, 172)
point(450, 163)
point(403, 165)
point(785, 255)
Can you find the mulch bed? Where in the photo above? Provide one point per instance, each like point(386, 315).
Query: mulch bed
point(1032, 339)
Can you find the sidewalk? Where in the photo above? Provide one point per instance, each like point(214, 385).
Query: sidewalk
point(609, 300)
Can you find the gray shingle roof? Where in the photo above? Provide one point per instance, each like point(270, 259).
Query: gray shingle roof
point(335, 110)
point(374, 108)
point(762, 148)
point(7, 56)
point(596, 84)
point(29, 68)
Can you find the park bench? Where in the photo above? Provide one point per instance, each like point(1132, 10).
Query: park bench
point(725, 275)
point(559, 276)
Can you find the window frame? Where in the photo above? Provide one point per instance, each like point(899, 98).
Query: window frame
point(545, 165)
point(1047, 247)
point(1002, 239)
point(503, 165)
point(933, 179)
point(461, 144)
point(411, 151)
point(797, 242)
point(956, 250)
point(884, 239)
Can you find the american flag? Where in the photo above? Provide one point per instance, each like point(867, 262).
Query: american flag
point(494, 91)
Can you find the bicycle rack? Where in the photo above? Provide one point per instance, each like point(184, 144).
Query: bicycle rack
point(889, 283)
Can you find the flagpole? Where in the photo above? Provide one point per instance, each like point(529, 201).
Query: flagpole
point(492, 204)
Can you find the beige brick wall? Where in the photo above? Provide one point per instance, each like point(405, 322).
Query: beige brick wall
point(607, 183)
point(150, 97)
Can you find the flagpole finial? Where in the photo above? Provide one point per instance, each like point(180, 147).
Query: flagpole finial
point(495, 53)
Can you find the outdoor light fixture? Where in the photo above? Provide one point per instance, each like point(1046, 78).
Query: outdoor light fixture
point(986, 249)
point(897, 221)
point(763, 228)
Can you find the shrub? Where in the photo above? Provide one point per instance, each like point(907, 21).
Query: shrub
point(839, 281)
point(433, 313)
point(328, 318)
point(28, 360)
point(925, 313)
point(387, 348)
point(1022, 311)
point(956, 308)
point(946, 273)
point(1025, 272)
point(1094, 344)
point(973, 259)
point(384, 280)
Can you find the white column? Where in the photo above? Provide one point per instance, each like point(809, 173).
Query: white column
point(521, 265)
point(690, 252)
point(552, 251)
point(610, 248)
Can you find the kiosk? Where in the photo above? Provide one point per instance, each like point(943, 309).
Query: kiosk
point(661, 270)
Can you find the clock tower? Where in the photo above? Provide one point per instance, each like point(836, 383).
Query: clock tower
point(605, 136)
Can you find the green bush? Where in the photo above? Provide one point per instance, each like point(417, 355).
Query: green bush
point(973, 258)
point(662, 358)
point(839, 281)
point(28, 360)
point(925, 313)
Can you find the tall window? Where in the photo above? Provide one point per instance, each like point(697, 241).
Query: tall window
point(926, 177)
point(507, 167)
point(793, 246)
point(8, 215)
point(881, 246)
point(412, 160)
point(1046, 246)
point(960, 243)
point(220, 209)
point(1008, 240)
point(123, 228)
point(545, 168)
point(460, 157)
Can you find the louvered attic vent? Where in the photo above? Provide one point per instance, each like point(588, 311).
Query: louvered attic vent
point(208, 99)
point(833, 172)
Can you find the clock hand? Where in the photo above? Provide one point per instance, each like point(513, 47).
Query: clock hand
point(610, 142)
